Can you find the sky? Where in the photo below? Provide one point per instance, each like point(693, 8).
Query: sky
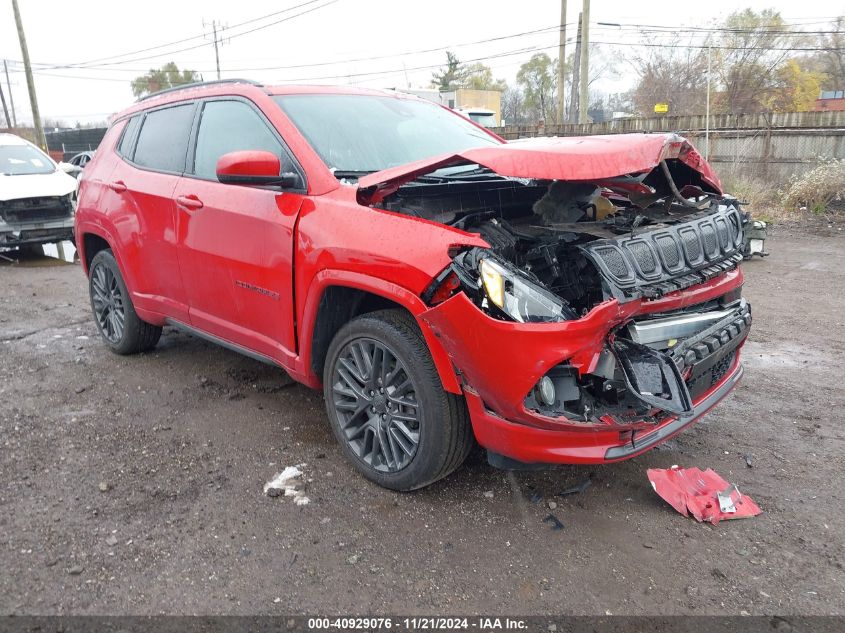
point(373, 43)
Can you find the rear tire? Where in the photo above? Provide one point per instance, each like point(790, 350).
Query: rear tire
point(120, 326)
point(387, 406)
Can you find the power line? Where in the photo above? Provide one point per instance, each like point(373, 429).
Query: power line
point(675, 32)
point(182, 41)
point(479, 59)
point(41, 71)
point(627, 27)
point(229, 37)
point(362, 59)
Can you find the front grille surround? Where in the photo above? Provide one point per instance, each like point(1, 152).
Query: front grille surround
point(652, 263)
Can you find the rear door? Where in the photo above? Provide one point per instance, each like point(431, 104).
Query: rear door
point(153, 148)
point(236, 242)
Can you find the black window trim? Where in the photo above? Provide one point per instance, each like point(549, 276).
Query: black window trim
point(190, 159)
point(131, 159)
point(131, 147)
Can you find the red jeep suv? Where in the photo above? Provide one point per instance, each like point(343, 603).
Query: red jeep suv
point(558, 300)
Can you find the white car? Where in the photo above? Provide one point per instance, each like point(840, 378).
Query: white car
point(482, 116)
point(37, 199)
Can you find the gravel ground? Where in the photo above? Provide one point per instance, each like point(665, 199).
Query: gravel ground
point(134, 485)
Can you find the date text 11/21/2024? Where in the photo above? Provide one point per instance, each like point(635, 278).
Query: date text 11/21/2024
point(419, 623)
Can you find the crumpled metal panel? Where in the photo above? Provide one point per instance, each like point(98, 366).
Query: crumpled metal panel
point(572, 158)
point(703, 494)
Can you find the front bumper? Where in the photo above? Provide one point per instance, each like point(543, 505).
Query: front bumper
point(499, 362)
point(19, 234)
point(531, 445)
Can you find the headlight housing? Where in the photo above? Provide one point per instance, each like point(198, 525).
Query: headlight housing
point(520, 298)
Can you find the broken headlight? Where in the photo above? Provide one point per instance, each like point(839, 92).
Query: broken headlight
point(520, 298)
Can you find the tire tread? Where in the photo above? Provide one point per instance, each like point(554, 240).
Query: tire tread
point(450, 408)
point(139, 336)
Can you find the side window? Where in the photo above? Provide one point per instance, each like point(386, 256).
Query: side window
point(230, 126)
point(163, 140)
point(128, 135)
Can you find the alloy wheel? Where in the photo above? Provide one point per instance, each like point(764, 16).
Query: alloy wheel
point(107, 300)
point(376, 403)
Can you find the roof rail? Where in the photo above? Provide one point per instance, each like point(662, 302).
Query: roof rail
point(196, 85)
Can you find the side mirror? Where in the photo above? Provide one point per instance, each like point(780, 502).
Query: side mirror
point(67, 167)
point(253, 168)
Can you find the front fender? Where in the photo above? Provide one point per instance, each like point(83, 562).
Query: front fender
point(387, 289)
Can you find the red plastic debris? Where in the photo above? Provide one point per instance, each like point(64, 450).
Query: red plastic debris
point(697, 492)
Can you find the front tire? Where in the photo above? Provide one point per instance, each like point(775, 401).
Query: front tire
point(387, 407)
point(120, 326)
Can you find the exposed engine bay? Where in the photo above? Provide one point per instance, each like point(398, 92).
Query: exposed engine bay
point(560, 248)
point(580, 243)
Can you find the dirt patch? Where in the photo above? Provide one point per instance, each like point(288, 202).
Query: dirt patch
point(135, 485)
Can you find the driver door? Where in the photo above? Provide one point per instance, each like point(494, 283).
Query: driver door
point(235, 243)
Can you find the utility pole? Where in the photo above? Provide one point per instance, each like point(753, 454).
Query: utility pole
point(11, 96)
point(30, 82)
point(707, 108)
point(583, 93)
point(576, 73)
point(561, 62)
point(5, 109)
point(216, 49)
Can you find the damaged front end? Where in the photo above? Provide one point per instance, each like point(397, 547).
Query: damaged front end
point(609, 303)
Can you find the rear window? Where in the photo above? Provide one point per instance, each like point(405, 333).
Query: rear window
point(163, 141)
point(125, 146)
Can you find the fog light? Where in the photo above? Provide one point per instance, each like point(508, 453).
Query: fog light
point(546, 391)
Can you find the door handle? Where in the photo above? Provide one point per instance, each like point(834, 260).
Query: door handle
point(190, 202)
point(118, 185)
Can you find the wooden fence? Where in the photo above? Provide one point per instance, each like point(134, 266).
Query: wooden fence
point(764, 146)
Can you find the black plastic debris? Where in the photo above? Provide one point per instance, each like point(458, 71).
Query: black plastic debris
point(556, 524)
point(748, 457)
point(576, 489)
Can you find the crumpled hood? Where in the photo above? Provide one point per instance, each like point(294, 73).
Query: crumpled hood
point(561, 158)
point(57, 183)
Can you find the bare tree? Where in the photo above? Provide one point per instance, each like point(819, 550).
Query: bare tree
point(675, 75)
point(831, 60)
point(513, 106)
point(748, 59)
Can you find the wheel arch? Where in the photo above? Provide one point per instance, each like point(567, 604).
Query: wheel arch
point(336, 297)
point(89, 245)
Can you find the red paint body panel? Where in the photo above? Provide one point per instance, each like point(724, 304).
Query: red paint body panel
point(250, 265)
point(236, 262)
point(502, 361)
point(567, 158)
point(248, 163)
point(695, 491)
point(570, 444)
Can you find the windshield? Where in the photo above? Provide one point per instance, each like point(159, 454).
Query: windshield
point(23, 160)
point(362, 133)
